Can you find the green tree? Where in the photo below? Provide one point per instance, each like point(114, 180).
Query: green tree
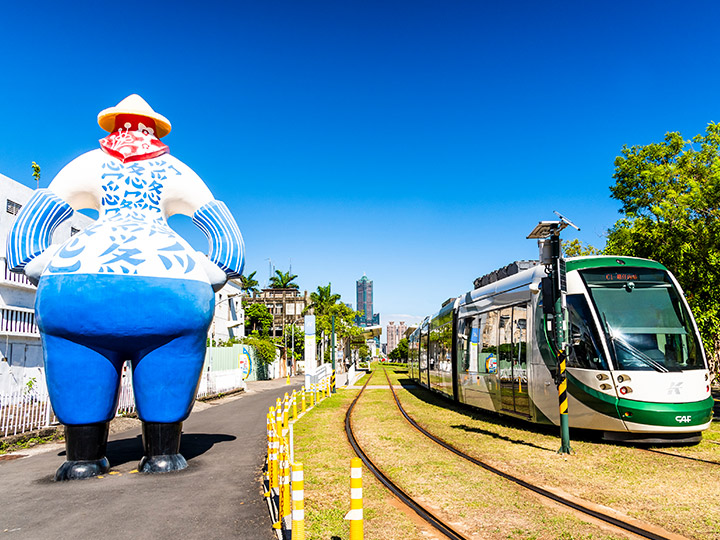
point(670, 195)
point(36, 173)
point(257, 318)
point(401, 351)
point(294, 334)
point(248, 283)
point(344, 327)
point(575, 248)
point(265, 348)
point(322, 300)
point(283, 280)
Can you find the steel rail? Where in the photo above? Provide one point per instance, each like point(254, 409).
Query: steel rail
point(433, 520)
point(532, 487)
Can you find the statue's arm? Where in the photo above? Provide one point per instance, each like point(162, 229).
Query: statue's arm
point(31, 233)
point(30, 237)
point(189, 195)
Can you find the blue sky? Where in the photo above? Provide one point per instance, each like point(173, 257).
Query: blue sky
point(416, 142)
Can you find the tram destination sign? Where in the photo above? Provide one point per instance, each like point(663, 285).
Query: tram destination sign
point(599, 275)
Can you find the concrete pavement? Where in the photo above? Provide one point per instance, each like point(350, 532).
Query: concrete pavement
point(217, 496)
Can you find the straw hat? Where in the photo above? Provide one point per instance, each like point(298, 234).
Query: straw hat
point(134, 104)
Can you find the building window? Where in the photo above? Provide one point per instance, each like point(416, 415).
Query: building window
point(13, 207)
point(74, 231)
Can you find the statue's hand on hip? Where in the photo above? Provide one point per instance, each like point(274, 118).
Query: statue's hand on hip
point(34, 269)
point(215, 274)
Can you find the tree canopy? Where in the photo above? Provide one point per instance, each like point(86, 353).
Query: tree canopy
point(258, 318)
point(248, 283)
point(283, 280)
point(670, 195)
point(323, 299)
point(401, 351)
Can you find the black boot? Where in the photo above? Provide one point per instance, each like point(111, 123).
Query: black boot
point(162, 448)
point(85, 447)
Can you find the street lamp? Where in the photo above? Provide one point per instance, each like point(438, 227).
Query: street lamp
point(554, 288)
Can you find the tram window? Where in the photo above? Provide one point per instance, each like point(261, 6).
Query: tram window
point(440, 346)
point(489, 342)
point(519, 334)
point(505, 353)
point(585, 351)
point(647, 325)
point(461, 347)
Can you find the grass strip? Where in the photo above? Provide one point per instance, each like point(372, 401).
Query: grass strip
point(322, 448)
point(472, 500)
point(678, 494)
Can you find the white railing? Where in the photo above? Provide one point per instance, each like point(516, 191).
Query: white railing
point(24, 410)
point(18, 321)
point(13, 277)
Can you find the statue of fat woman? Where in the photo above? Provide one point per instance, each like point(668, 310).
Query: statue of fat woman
point(128, 287)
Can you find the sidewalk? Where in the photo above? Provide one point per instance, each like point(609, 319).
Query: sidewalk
point(217, 496)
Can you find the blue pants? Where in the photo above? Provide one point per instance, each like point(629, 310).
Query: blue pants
point(91, 324)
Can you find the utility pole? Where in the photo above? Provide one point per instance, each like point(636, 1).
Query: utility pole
point(554, 289)
point(333, 346)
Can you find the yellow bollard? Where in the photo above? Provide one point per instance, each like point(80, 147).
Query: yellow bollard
point(286, 411)
point(312, 395)
point(273, 465)
point(278, 423)
point(302, 395)
point(355, 515)
point(298, 498)
point(294, 405)
point(285, 501)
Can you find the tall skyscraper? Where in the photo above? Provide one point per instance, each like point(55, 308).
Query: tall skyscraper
point(395, 334)
point(365, 303)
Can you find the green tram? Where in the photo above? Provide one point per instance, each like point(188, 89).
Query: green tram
point(636, 368)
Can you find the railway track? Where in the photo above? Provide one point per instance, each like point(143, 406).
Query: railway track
point(641, 530)
point(406, 499)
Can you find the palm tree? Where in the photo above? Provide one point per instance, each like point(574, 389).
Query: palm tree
point(249, 284)
point(283, 280)
point(323, 299)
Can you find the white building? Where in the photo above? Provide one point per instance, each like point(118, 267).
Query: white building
point(21, 357)
point(229, 319)
point(395, 334)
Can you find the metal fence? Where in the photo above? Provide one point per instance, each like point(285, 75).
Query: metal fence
point(26, 408)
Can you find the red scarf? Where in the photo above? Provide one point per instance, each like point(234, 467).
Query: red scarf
point(133, 139)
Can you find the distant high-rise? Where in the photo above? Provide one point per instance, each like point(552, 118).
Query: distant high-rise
point(395, 334)
point(365, 303)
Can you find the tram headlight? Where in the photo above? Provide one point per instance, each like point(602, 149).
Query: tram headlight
point(623, 378)
point(625, 390)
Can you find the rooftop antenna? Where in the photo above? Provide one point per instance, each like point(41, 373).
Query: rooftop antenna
point(566, 221)
point(270, 270)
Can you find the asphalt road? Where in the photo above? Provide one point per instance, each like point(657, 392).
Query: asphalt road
point(217, 496)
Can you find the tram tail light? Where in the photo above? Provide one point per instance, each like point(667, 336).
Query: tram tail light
point(601, 377)
point(625, 390)
point(605, 387)
point(623, 378)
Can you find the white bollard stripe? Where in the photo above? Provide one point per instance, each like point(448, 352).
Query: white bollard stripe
point(355, 473)
point(356, 493)
point(298, 515)
point(297, 476)
point(354, 514)
point(298, 494)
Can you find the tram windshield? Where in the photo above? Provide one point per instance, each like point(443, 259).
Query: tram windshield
point(645, 321)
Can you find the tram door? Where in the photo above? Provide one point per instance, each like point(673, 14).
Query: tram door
point(512, 360)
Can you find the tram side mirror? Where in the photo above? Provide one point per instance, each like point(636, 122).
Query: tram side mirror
point(576, 336)
point(548, 291)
